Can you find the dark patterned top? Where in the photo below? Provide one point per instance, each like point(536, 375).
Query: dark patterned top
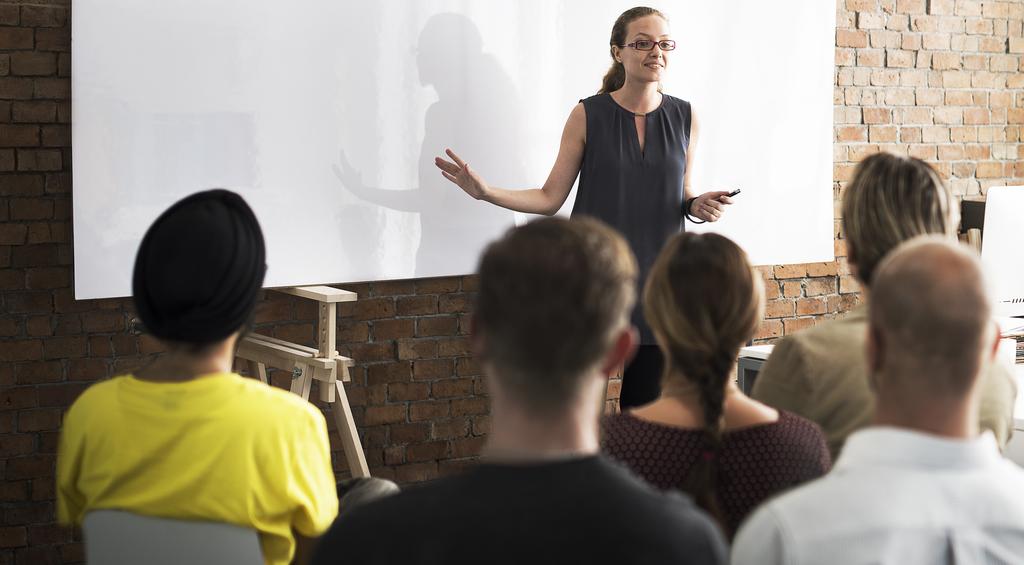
point(754, 463)
point(639, 193)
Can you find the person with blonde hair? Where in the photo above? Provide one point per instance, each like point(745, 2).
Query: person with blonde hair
point(821, 373)
point(703, 435)
point(923, 484)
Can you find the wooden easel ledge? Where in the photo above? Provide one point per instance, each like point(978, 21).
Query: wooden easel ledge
point(326, 294)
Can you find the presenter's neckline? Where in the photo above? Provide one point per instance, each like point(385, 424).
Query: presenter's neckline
point(632, 113)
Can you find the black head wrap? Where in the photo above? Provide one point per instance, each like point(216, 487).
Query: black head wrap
point(200, 268)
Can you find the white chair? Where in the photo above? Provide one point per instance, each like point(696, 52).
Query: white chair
point(114, 537)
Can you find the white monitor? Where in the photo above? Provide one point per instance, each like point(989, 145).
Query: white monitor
point(1002, 249)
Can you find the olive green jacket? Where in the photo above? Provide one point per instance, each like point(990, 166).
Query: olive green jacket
point(821, 374)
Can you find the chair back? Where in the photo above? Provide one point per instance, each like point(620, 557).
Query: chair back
point(114, 537)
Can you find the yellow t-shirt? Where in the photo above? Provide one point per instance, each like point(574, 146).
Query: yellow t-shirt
point(219, 448)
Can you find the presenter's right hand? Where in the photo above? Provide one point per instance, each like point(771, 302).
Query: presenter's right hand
point(710, 206)
point(458, 172)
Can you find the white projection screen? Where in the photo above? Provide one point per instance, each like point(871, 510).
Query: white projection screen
point(326, 115)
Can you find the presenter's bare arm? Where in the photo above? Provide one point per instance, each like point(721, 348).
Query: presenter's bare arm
point(550, 197)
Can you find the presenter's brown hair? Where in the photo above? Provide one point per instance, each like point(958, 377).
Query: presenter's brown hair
point(703, 301)
point(554, 295)
point(616, 75)
point(890, 200)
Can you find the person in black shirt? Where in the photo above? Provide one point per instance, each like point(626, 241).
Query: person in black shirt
point(551, 324)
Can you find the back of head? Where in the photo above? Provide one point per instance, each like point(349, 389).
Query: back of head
point(703, 301)
point(931, 313)
point(199, 270)
point(553, 296)
point(890, 200)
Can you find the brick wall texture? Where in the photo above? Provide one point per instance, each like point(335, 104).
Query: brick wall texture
point(937, 79)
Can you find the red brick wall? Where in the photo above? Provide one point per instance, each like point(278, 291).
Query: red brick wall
point(935, 79)
point(938, 79)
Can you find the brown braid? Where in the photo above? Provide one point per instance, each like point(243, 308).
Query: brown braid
point(702, 482)
point(703, 301)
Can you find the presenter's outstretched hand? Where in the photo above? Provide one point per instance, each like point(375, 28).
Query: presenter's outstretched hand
point(710, 205)
point(458, 172)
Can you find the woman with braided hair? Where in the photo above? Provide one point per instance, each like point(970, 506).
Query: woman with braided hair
point(703, 436)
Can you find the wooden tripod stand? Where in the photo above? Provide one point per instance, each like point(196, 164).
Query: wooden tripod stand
point(322, 363)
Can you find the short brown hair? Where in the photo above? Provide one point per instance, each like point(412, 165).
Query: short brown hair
point(553, 295)
point(890, 200)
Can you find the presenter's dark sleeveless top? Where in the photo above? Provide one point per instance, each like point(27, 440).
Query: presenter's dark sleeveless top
point(637, 192)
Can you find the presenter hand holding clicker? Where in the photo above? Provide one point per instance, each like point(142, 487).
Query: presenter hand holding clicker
point(633, 148)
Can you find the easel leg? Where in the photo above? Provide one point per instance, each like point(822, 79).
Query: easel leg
point(258, 370)
point(342, 413)
point(302, 383)
point(607, 382)
point(326, 388)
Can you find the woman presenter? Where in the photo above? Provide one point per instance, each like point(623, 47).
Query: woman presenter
point(632, 147)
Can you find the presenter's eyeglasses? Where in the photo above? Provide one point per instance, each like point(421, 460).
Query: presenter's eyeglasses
point(648, 45)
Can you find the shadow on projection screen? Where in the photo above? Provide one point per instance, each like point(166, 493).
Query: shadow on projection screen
point(327, 116)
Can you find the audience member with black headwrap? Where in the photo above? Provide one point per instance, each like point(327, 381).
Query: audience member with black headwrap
point(185, 437)
point(199, 270)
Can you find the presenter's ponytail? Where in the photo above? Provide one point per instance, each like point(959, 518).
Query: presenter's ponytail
point(616, 75)
point(704, 301)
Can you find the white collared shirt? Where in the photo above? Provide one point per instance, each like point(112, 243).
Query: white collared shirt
point(896, 497)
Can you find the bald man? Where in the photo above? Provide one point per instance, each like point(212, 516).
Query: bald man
point(921, 485)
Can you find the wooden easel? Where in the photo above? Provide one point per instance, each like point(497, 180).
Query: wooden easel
point(322, 363)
